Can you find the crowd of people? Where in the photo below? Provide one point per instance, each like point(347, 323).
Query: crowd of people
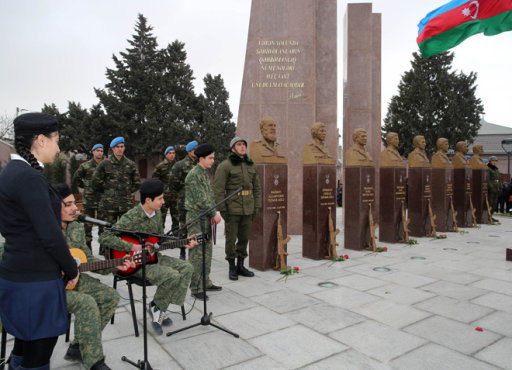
point(39, 279)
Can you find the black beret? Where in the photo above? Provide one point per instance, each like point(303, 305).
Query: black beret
point(152, 188)
point(204, 150)
point(35, 124)
point(62, 190)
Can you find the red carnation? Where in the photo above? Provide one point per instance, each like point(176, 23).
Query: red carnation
point(385, 248)
point(346, 256)
point(478, 328)
point(296, 269)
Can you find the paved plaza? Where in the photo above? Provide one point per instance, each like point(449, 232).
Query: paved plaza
point(421, 314)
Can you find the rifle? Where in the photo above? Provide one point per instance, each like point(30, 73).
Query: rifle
point(405, 225)
point(454, 216)
point(432, 233)
point(331, 248)
point(489, 213)
point(281, 243)
point(372, 245)
point(473, 213)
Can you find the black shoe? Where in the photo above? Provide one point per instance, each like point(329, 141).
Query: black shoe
point(183, 254)
point(241, 270)
point(166, 321)
point(214, 288)
point(233, 275)
point(100, 365)
point(73, 353)
point(200, 296)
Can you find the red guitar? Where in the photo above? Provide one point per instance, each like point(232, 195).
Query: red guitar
point(149, 247)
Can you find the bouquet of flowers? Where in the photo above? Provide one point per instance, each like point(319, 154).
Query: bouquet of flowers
point(287, 271)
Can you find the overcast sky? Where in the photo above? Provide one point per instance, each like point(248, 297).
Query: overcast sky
point(55, 51)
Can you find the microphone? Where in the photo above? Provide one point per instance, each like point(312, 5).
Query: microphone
point(95, 221)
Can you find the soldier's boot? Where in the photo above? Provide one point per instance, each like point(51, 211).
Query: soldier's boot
point(14, 362)
point(233, 275)
point(100, 365)
point(73, 353)
point(241, 270)
point(183, 254)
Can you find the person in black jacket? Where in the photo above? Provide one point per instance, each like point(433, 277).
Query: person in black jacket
point(36, 257)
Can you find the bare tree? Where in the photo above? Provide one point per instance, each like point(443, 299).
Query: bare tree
point(6, 126)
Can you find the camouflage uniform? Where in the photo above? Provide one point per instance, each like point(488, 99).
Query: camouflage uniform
point(83, 178)
point(494, 186)
point(198, 198)
point(170, 275)
point(177, 188)
point(162, 172)
point(92, 302)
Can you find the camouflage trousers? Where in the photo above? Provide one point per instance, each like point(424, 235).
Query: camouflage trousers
point(493, 200)
point(91, 212)
point(170, 204)
point(238, 228)
point(182, 218)
point(93, 304)
point(172, 277)
point(195, 257)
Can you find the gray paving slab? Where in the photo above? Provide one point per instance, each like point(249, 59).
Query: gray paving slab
point(285, 301)
point(349, 360)
point(407, 279)
point(390, 313)
point(359, 282)
point(454, 290)
point(498, 322)
point(498, 353)
point(497, 301)
point(345, 297)
point(454, 309)
point(498, 286)
point(401, 294)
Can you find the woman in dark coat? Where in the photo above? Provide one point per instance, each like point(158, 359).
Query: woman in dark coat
point(36, 257)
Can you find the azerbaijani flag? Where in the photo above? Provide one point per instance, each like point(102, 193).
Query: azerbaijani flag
point(452, 23)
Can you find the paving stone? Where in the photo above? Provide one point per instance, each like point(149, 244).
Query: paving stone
point(329, 272)
point(498, 322)
point(297, 346)
point(498, 354)
point(359, 282)
point(376, 340)
point(391, 313)
point(496, 301)
point(345, 297)
point(453, 309)
point(459, 277)
point(401, 294)
point(253, 287)
point(259, 363)
point(453, 290)
point(407, 279)
point(452, 334)
point(349, 360)
point(225, 302)
point(305, 284)
point(498, 286)
point(494, 273)
point(285, 301)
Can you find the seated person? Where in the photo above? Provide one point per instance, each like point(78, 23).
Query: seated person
point(92, 302)
point(170, 275)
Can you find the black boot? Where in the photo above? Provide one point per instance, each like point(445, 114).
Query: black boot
point(241, 270)
point(100, 365)
point(183, 255)
point(233, 275)
point(73, 353)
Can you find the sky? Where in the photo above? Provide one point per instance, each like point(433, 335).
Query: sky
point(55, 51)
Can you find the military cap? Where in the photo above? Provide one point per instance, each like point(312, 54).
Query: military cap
point(35, 124)
point(118, 140)
point(493, 158)
point(204, 150)
point(236, 140)
point(97, 146)
point(168, 149)
point(151, 188)
point(62, 190)
point(191, 146)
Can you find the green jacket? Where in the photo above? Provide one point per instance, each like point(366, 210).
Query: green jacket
point(494, 185)
point(116, 180)
point(234, 173)
point(83, 178)
point(135, 219)
point(198, 193)
point(177, 180)
point(162, 172)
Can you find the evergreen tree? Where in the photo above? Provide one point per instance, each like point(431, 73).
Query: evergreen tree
point(434, 102)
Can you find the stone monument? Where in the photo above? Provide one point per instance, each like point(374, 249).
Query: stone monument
point(479, 184)
point(442, 188)
point(393, 175)
point(319, 194)
point(290, 74)
point(273, 173)
point(419, 190)
point(359, 197)
point(462, 179)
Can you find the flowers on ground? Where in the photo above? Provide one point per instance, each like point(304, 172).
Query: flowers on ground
point(381, 249)
point(287, 271)
point(412, 241)
point(340, 258)
point(441, 236)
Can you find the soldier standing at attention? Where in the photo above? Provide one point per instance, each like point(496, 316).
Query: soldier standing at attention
point(238, 212)
point(92, 302)
point(83, 179)
point(177, 186)
point(116, 178)
point(199, 198)
point(494, 188)
point(162, 172)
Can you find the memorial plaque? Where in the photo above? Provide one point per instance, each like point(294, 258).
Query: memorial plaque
point(462, 178)
point(359, 195)
point(263, 238)
point(319, 184)
point(419, 196)
point(442, 195)
point(392, 197)
point(479, 194)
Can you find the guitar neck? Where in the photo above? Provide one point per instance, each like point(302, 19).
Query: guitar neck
point(100, 265)
point(176, 244)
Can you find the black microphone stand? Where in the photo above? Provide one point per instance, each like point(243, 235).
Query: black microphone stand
point(206, 318)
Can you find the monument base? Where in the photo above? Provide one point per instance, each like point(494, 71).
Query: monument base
point(479, 195)
point(442, 195)
point(509, 254)
point(319, 194)
point(462, 178)
point(419, 196)
point(358, 198)
point(392, 202)
point(263, 238)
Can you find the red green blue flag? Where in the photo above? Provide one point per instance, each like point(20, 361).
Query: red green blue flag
point(452, 23)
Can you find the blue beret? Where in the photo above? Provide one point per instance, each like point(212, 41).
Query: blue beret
point(191, 146)
point(97, 146)
point(118, 140)
point(168, 149)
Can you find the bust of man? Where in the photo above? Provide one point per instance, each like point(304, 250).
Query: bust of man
point(440, 158)
point(316, 152)
point(459, 159)
point(418, 158)
point(267, 150)
point(390, 157)
point(476, 161)
point(357, 156)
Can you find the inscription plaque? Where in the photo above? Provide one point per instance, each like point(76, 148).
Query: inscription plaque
point(392, 196)
point(419, 196)
point(442, 195)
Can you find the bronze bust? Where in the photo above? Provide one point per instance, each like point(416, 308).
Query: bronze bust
point(316, 152)
point(459, 160)
point(390, 157)
point(357, 156)
point(440, 158)
point(267, 150)
point(476, 161)
point(418, 158)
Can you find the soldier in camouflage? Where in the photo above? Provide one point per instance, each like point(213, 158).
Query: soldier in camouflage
point(92, 302)
point(82, 178)
point(199, 198)
point(170, 275)
point(116, 178)
point(162, 172)
point(177, 186)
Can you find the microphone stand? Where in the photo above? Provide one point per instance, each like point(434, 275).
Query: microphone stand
point(206, 318)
